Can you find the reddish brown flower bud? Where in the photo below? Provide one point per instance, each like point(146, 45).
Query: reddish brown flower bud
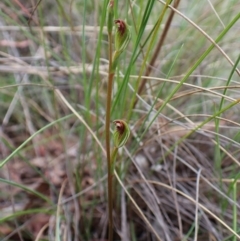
point(121, 26)
point(121, 134)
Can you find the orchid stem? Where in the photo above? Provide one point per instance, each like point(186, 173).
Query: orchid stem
point(108, 150)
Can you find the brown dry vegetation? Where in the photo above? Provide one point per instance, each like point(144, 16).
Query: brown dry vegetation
point(179, 182)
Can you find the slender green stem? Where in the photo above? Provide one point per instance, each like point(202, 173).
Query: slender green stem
point(217, 149)
point(107, 127)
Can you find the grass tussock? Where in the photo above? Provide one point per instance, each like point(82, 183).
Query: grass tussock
point(176, 85)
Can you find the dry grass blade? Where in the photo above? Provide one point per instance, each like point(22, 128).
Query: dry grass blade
point(196, 210)
point(137, 207)
point(205, 34)
point(38, 238)
point(177, 176)
point(200, 205)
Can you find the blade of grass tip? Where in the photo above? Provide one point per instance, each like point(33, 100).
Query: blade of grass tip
point(198, 62)
point(31, 137)
point(36, 193)
point(25, 212)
